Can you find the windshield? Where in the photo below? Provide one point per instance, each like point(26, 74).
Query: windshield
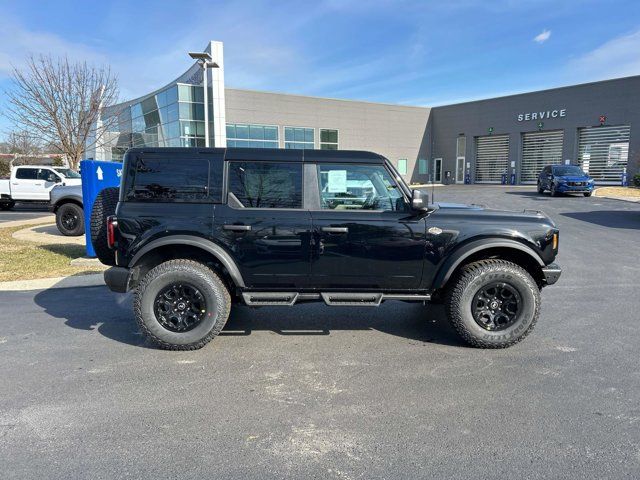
point(67, 172)
point(568, 170)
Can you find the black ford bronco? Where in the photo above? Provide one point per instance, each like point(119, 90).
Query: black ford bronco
point(193, 231)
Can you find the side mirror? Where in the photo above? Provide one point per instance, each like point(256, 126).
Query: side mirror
point(419, 200)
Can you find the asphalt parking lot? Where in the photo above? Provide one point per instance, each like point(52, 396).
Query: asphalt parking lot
point(24, 211)
point(319, 392)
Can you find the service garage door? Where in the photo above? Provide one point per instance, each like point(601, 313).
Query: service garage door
point(492, 158)
point(539, 149)
point(603, 152)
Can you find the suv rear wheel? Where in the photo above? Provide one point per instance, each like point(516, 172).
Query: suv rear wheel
point(181, 305)
point(493, 303)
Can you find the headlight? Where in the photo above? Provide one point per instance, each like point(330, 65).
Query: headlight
point(591, 180)
point(560, 180)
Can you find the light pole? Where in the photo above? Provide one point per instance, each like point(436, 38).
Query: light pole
point(205, 61)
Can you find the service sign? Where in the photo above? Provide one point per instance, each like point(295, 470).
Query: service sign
point(542, 115)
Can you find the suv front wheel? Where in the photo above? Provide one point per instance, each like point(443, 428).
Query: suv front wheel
point(493, 303)
point(181, 305)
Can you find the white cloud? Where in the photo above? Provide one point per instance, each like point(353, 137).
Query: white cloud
point(542, 36)
point(617, 57)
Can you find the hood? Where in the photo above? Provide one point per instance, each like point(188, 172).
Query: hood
point(72, 181)
point(482, 212)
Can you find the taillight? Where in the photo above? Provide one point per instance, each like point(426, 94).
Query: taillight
point(112, 223)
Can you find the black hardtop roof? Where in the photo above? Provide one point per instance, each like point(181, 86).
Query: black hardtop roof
point(268, 154)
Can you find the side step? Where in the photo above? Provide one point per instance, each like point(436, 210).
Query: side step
point(334, 299)
point(352, 299)
point(256, 299)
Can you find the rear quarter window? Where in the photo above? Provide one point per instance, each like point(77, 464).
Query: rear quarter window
point(27, 174)
point(176, 179)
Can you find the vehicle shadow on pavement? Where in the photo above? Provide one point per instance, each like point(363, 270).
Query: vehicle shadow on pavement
point(111, 314)
point(629, 219)
point(93, 308)
point(411, 321)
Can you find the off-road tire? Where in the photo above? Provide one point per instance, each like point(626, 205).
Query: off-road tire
point(7, 206)
point(540, 188)
point(197, 274)
point(104, 206)
point(587, 194)
point(73, 209)
point(468, 282)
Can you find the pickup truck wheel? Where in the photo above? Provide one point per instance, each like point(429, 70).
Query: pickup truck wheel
point(104, 206)
point(181, 305)
point(540, 188)
point(7, 206)
point(587, 194)
point(493, 303)
point(70, 220)
point(553, 191)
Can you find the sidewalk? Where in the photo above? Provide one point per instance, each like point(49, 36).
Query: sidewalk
point(625, 194)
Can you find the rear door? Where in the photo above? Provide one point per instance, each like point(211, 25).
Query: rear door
point(365, 235)
point(264, 223)
point(26, 185)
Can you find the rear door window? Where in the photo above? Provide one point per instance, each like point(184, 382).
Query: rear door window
point(266, 184)
point(27, 174)
point(176, 179)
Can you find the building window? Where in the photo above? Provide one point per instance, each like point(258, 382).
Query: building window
point(266, 185)
point(422, 166)
point(461, 146)
point(328, 139)
point(402, 166)
point(298, 137)
point(252, 136)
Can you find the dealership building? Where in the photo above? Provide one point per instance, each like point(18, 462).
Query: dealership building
point(506, 139)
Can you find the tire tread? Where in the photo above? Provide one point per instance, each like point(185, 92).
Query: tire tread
point(461, 281)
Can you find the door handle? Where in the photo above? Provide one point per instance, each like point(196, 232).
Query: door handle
point(335, 229)
point(237, 228)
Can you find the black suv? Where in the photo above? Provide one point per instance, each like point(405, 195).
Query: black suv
point(196, 230)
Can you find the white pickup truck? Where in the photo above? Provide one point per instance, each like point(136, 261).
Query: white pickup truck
point(33, 183)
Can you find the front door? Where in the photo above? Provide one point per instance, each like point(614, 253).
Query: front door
point(364, 235)
point(264, 225)
point(460, 169)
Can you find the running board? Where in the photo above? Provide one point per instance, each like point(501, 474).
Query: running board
point(334, 299)
point(256, 299)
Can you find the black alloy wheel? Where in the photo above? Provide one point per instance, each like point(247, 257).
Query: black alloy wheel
point(69, 220)
point(496, 306)
point(180, 307)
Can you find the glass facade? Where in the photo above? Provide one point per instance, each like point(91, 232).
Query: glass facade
point(328, 139)
point(299, 137)
point(252, 136)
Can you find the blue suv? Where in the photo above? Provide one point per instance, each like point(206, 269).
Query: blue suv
point(564, 179)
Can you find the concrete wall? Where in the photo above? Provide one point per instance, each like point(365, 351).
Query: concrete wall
point(618, 99)
point(391, 130)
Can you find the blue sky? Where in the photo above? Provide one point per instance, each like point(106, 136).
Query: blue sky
point(407, 52)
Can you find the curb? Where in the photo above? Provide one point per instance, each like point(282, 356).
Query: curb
point(74, 281)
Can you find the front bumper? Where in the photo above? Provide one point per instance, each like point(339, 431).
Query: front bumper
point(117, 279)
point(563, 188)
point(551, 273)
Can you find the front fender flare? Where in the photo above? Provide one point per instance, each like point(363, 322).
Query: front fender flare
point(464, 252)
point(214, 249)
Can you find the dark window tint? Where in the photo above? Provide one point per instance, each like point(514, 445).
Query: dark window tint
point(175, 179)
point(27, 173)
point(266, 185)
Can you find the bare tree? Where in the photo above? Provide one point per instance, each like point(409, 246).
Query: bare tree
point(61, 102)
point(23, 143)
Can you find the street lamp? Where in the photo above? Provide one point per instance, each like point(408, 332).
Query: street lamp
point(205, 61)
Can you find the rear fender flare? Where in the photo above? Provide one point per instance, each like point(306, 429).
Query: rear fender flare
point(208, 246)
point(464, 252)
